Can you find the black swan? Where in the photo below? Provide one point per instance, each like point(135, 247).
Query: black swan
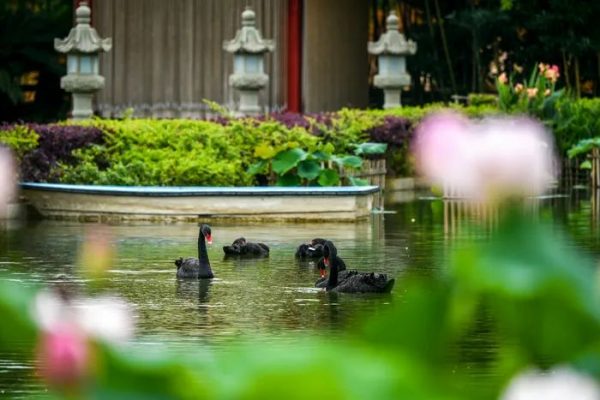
point(242, 248)
point(342, 272)
point(314, 249)
point(197, 268)
point(353, 281)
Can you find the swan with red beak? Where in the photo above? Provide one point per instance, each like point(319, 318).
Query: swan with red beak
point(197, 268)
point(351, 281)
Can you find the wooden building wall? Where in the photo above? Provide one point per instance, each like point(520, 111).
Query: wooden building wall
point(335, 59)
point(167, 55)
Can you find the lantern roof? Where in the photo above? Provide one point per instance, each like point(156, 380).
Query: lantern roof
point(82, 38)
point(392, 41)
point(248, 39)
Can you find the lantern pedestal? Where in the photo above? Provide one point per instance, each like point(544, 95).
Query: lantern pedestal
point(82, 106)
point(82, 89)
point(248, 86)
point(392, 88)
point(249, 102)
point(391, 98)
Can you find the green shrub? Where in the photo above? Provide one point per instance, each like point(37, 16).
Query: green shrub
point(21, 139)
point(220, 153)
point(575, 121)
point(481, 99)
point(177, 152)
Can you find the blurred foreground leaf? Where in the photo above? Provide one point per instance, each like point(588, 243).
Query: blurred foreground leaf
point(16, 326)
point(542, 293)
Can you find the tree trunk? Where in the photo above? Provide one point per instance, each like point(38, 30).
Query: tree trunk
point(438, 14)
point(598, 59)
point(436, 56)
point(566, 70)
point(577, 78)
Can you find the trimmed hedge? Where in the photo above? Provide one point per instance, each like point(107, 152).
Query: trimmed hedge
point(219, 152)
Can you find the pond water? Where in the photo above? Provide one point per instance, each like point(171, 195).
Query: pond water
point(267, 298)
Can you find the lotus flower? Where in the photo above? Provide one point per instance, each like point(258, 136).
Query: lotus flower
point(558, 384)
point(69, 326)
point(487, 160)
point(63, 356)
point(7, 180)
point(105, 317)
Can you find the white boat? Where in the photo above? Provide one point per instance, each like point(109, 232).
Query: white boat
point(94, 202)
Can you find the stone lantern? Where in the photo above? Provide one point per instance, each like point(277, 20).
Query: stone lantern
point(82, 47)
point(391, 50)
point(248, 48)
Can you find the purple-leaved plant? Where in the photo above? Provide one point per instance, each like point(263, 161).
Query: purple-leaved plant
point(394, 131)
point(56, 144)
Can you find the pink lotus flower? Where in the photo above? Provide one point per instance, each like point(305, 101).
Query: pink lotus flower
point(104, 317)
point(486, 160)
point(7, 180)
point(63, 357)
point(69, 326)
point(440, 147)
point(557, 384)
point(502, 78)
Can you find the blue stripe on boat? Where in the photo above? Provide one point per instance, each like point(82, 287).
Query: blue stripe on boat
point(181, 191)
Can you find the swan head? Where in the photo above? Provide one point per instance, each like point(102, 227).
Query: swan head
point(178, 262)
point(329, 254)
point(302, 250)
point(236, 247)
point(239, 242)
point(206, 232)
point(317, 241)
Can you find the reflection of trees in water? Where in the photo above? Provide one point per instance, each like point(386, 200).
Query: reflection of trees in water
point(580, 213)
point(461, 216)
point(469, 220)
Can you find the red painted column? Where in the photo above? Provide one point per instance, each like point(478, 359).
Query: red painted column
point(294, 78)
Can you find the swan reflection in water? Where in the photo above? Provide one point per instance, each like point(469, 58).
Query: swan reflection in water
point(194, 289)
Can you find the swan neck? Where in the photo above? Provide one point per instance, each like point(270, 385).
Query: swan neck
point(333, 273)
point(202, 253)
